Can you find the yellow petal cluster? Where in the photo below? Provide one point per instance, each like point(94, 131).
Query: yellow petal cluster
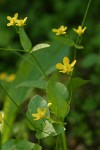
point(40, 114)
point(79, 31)
point(12, 20)
point(66, 67)
point(21, 22)
point(61, 30)
point(15, 21)
point(8, 78)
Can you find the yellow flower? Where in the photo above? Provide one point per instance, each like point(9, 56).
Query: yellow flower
point(10, 78)
point(3, 76)
point(61, 30)
point(12, 20)
point(21, 22)
point(66, 67)
point(40, 114)
point(79, 31)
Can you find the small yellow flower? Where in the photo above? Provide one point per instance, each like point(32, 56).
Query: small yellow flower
point(12, 20)
point(66, 67)
point(40, 114)
point(61, 30)
point(79, 31)
point(21, 22)
point(10, 78)
point(3, 76)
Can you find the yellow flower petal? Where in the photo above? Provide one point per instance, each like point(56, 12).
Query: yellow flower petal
point(79, 31)
point(66, 61)
point(59, 66)
point(54, 30)
point(40, 114)
point(73, 63)
point(8, 17)
point(66, 67)
point(60, 30)
point(15, 15)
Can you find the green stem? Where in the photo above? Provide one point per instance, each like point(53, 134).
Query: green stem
point(64, 141)
point(40, 66)
point(12, 49)
point(57, 143)
point(86, 11)
point(0, 141)
point(17, 106)
point(84, 18)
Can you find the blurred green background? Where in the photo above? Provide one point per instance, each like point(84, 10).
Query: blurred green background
point(83, 120)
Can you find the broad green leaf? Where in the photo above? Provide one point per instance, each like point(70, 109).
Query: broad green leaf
point(59, 128)
point(65, 40)
point(59, 97)
point(24, 40)
point(39, 46)
point(35, 103)
point(28, 70)
point(20, 145)
point(50, 130)
point(41, 84)
point(76, 83)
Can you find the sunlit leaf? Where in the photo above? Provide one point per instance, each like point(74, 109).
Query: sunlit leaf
point(24, 40)
point(41, 84)
point(39, 46)
point(20, 145)
point(59, 97)
point(35, 103)
point(65, 40)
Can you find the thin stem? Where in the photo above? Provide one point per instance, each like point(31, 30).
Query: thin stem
point(57, 143)
point(64, 141)
point(12, 49)
point(84, 18)
point(20, 109)
point(17, 106)
point(40, 66)
point(0, 141)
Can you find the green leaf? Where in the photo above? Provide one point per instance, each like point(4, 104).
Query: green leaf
point(65, 40)
point(28, 70)
point(50, 130)
point(76, 83)
point(59, 97)
point(59, 128)
point(41, 84)
point(35, 103)
point(24, 40)
point(20, 145)
point(79, 46)
point(39, 46)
